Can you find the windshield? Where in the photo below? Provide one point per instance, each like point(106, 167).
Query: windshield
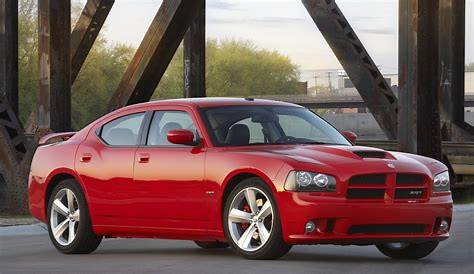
point(268, 125)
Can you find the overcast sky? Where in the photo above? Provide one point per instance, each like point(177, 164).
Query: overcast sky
point(283, 25)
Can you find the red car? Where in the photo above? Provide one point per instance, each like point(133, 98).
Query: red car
point(258, 175)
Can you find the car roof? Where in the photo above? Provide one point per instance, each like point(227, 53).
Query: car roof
point(213, 102)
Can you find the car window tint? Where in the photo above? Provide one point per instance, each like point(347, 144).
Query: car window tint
point(255, 130)
point(297, 126)
point(163, 122)
point(123, 131)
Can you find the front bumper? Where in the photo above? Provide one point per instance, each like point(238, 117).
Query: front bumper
point(341, 221)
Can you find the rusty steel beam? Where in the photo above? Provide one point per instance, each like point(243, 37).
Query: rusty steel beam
point(194, 47)
point(83, 37)
point(54, 98)
point(9, 52)
point(86, 31)
point(12, 130)
point(357, 62)
point(15, 153)
point(452, 26)
point(419, 79)
point(155, 52)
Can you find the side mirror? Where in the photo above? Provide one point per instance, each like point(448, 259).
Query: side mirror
point(181, 137)
point(351, 136)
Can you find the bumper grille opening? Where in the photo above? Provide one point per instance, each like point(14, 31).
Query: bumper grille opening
point(365, 193)
point(371, 179)
point(387, 229)
point(409, 193)
point(409, 179)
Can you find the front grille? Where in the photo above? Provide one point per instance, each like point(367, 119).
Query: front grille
point(409, 179)
point(409, 193)
point(402, 186)
point(357, 193)
point(371, 179)
point(387, 229)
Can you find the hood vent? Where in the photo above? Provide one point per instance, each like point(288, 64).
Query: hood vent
point(371, 154)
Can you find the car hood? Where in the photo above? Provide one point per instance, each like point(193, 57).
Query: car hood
point(351, 159)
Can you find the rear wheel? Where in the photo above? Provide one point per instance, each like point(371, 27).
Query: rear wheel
point(252, 223)
point(69, 224)
point(212, 245)
point(407, 250)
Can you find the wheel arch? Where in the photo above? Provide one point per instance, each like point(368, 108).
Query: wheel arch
point(57, 177)
point(236, 177)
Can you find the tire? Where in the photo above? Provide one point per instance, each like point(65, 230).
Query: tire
point(268, 244)
point(212, 245)
point(410, 251)
point(84, 241)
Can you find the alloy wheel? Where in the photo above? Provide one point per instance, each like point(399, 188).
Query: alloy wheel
point(250, 219)
point(65, 217)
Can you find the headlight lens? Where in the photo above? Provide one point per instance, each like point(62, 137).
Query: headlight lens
point(303, 181)
point(441, 182)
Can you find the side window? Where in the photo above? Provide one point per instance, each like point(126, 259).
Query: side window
point(123, 131)
point(163, 122)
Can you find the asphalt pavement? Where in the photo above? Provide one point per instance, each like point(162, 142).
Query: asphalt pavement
point(27, 249)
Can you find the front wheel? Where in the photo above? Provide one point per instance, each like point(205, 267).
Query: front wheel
point(252, 223)
point(407, 251)
point(69, 224)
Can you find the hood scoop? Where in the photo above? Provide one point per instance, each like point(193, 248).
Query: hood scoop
point(371, 154)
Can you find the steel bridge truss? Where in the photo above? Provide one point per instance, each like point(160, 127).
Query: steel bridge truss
point(430, 107)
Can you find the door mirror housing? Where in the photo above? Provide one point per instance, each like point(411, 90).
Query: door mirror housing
point(351, 136)
point(181, 137)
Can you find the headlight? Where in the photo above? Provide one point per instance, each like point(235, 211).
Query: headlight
point(303, 181)
point(441, 182)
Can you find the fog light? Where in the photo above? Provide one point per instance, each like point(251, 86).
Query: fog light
point(309, 227)
point(443, 226)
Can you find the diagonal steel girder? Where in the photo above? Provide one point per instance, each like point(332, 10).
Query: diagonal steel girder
point(356, 61)
point(155, 52)
point(86, 31)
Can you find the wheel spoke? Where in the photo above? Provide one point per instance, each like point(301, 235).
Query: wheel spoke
point(239, 216)
point(71, 232)
point(263, 232)
point(76, 215)
point(59, 230)
point(59, 207)
point(244, 241)
point(266, 210)
point(251, 200)
point(70, 200)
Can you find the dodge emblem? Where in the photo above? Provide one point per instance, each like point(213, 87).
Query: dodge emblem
point(390, 165)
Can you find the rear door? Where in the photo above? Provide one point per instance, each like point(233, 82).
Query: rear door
point(170, 177)
point(105, 163)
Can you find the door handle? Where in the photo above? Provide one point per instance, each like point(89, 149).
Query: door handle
point(143, 158)
point(86, 157)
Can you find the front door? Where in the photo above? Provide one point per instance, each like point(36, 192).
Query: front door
point(168, 177)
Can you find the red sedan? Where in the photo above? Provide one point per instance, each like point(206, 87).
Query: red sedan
point(257, 175)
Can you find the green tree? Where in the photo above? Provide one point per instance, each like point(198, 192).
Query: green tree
point(235, 68)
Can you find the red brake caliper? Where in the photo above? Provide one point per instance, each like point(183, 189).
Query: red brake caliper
point(246, 209)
